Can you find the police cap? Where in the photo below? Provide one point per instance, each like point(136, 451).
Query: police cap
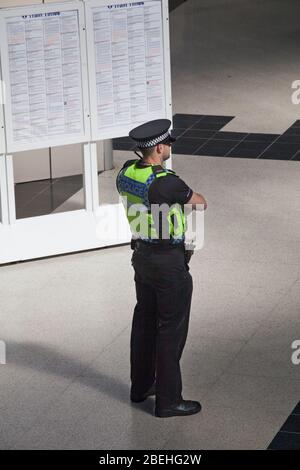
point(152, 133)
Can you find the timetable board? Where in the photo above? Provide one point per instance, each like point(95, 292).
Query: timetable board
point(2, 126)
point(43, 59)
point(128, 64)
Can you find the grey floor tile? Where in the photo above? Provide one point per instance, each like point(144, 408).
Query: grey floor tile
point(224, 428)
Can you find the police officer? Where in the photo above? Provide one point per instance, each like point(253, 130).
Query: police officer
point(162, 279)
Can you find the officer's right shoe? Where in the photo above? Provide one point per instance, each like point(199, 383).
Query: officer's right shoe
point(183, 408)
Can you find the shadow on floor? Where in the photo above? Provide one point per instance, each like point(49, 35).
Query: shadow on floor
point(45, 359)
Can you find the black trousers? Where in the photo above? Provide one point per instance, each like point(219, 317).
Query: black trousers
point(160, 321)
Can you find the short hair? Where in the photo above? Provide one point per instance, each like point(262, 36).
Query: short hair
point(147, 152)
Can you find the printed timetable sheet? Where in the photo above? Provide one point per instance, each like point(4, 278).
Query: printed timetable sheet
point(44, 64)
point(129, 62)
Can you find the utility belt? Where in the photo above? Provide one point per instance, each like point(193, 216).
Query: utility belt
point(160, 246)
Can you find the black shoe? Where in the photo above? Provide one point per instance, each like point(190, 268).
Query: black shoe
point(140, 398)
point(183, 408)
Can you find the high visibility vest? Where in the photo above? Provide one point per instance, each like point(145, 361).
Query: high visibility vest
point(155, 224)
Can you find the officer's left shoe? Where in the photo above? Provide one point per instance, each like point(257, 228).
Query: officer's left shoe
point(139, 398)
point(183, 408)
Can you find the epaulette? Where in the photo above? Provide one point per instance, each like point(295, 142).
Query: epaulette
point(128, 163)
point(157, 169)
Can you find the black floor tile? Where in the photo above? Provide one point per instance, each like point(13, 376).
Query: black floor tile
point(288, 139)
point(223, 135)
point(123, 145)
point(292, 424)
point(124, 139)
point(296, 157)
point(257, 137)
point(181, 150)
point(217, 148)
point(248, 149)
point(187, 146)
point(199, 134)
point(219, 119)
point(194, 117)
point(248, 145)
point(288, 437)
point(292, 131)
point(213, 126)
point(186, 120)
point(175, 3)
point(280, 151)
point(296, 410)
point(176, 132)
point(285, 441)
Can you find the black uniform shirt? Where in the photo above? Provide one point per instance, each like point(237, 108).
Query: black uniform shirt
point(168, 189)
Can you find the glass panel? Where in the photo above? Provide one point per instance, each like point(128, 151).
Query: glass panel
point(109, 163)
point(48, 181)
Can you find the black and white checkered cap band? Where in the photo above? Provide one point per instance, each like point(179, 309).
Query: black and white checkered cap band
point(152, 142)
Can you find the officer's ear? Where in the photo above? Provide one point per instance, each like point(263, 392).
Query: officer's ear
point(159, 148)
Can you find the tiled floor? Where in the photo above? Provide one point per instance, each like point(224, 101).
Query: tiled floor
point(203, 135)
point(288, 437)
point(66, 382)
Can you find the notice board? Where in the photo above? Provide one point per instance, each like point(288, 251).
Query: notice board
point(43, 61)
point(2, 125)
point(129, 64)
point(82, 70)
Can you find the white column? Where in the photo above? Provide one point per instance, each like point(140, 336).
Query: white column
point(94, 176)
point(90, 176)
point(105, 155)
point(7, 190)
point(108, 154)
point(10, 189)
point(4, 218)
